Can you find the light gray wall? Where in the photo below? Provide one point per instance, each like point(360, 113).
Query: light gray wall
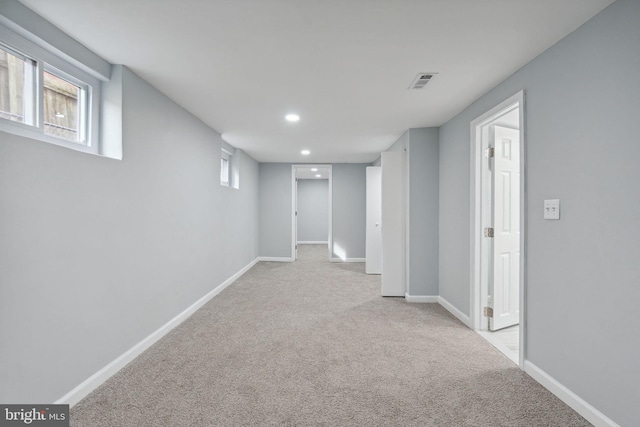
point(97, 253)
point(582, 147)
point(422, 177)
point(423, 211)
point(275, 210)
point(349, 209)
point(313, 210)
point(348, 204)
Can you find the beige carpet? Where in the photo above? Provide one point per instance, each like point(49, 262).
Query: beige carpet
point(312, 343)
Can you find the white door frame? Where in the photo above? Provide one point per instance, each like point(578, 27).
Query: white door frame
point(294, 200)
point(477, 299)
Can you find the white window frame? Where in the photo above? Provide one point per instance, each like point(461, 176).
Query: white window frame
point(45, 60)
point(225, 156)
point(30, 107)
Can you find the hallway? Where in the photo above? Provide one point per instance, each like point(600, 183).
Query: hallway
point(313, 343)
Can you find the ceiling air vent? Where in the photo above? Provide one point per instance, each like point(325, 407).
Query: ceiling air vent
point(421, 80)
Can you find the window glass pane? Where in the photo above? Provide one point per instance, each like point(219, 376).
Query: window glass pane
point(62, 108)
point(16, 88)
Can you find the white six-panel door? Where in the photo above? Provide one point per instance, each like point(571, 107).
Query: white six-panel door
point(505, 287)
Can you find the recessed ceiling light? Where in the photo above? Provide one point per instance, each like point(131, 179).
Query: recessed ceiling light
point(305, 152)
point(314, 169)
point(318, 175)
point(292, 117)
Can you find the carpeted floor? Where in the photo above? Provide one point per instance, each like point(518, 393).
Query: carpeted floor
point(313, 343)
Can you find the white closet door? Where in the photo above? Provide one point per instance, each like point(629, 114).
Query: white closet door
point(505, 286)
point(393, 223)
point(373, 247)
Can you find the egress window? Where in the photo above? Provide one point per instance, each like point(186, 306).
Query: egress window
point(45, 98)
point(225, 169)
point(229, 167)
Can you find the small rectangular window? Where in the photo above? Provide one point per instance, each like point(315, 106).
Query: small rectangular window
point(224, 169)
point(17, 78)
point(44, 97)
point(64, 107)
point(229, 171)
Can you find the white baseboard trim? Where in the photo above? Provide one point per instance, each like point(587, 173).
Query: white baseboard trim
point(313, 242)
point(421, 298)
point(347, 260)
point(275, 259)
point(453, 310)
point(591, 414)
point(95, 380)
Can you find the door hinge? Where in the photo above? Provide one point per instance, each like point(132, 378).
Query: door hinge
point(296, 247)
point(296, 213)
point(488, 232)
point(488, 312)
point(490, 152)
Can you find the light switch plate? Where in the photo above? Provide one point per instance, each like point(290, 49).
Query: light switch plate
point(552, 209)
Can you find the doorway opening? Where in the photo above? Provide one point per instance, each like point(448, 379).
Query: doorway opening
point(311, 211)
point(497, 227)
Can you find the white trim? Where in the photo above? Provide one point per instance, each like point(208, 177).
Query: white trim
point(275, 259)
point(313, 242)
point(457, 313)
point(477, 298)
point(523, 231)
point(591, 414)
point(348, 260)
point(421, 298)
point(502, 347)
point(95, 380)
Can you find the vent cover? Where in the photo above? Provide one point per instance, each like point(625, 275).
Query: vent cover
point(421, 80)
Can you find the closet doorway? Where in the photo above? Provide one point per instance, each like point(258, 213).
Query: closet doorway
point(498, 224)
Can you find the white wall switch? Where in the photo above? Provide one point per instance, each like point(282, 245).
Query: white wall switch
point(552, 209)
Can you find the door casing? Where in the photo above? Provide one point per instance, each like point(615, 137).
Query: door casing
point(478, 221)
point(294, 208)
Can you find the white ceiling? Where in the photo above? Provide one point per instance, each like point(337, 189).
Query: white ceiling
point(343, 65)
